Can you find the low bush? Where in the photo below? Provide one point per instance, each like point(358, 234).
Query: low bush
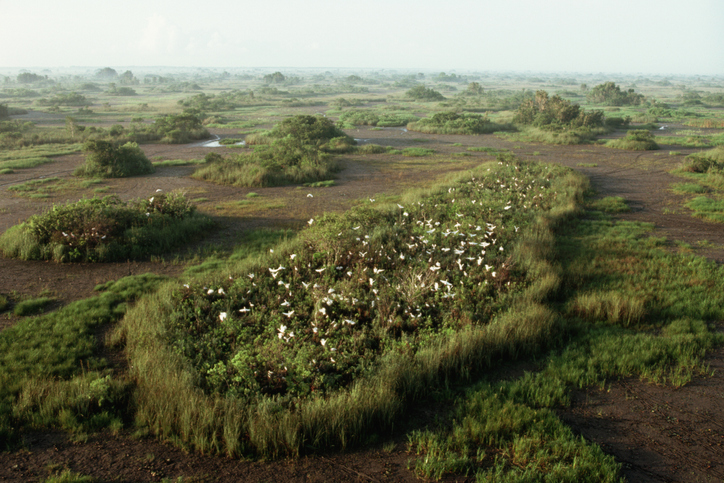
point(705, 161)
point(454, 123)
point(106, 229)
point(635, 140)
point(106, 159)
point(285, 161)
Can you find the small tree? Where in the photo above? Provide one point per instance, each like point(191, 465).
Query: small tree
point(610, 94)
point(106, 159)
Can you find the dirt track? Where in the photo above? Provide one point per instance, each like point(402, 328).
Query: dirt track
point(659, 434)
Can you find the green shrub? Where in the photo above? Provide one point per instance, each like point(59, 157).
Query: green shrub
point(106, 159)
point(555, 113)
point(106, 229)
point(454, 123)
point(422, 93)
point(285, 161)
point(306, 129)
point(635, 140)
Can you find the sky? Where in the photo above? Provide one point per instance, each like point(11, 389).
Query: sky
point(576, 36)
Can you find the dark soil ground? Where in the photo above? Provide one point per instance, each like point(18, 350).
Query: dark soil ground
point(658, 433)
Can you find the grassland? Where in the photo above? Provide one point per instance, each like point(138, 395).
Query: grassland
point(287, 342)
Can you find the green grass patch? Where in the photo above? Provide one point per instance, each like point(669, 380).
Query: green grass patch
point(178, 162)
point(610, 204)
point(587, 165)
point(488, 150)
point(707, 208)
point(564, 137)
point(32, 306)
point(320, 184)
point(635, 140)
point(688, 188)
point(50, 375)
point(454, 123)
point(32, 156)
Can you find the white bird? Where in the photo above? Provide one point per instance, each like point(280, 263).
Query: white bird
point(289, 314)
point(310, 195)
point(311, 220)
point(222, 316)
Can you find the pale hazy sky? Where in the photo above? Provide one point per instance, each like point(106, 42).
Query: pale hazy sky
point(611, 36)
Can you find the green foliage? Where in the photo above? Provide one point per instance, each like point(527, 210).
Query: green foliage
point(707, 208)
point(106, 229)
point(359, 117)
point(180, 128)
point(454, 123)
point(114, 90)
point(284, 161)
point(711, 161)
point(106, 159)
point(307, 129)
point(422, 93)
point(635, 140)
point(610, 94)
point(70, 99)
point(688, 188)
point(555, 113)
point(30, 78)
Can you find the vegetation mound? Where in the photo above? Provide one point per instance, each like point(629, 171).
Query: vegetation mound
point(422, 93)
point(106, 229)
point(359, 117)
point(635, 140)
point(455, 123)
point(296, 151)
point(556, 114)
point(335, 333)
point(711, 161)
point(106, 159)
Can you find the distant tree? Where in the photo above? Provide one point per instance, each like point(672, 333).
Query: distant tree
point(275, 78)
point(584, 87)
point(4, 113)
point(29, 78)
point(425, 94)
point(610, 94)
point(106, 73)
point(127, 78)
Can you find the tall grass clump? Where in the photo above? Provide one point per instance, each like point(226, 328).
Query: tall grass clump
point(105, 159)
point(106, 229)
point(635, 140)
point(330, 338)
